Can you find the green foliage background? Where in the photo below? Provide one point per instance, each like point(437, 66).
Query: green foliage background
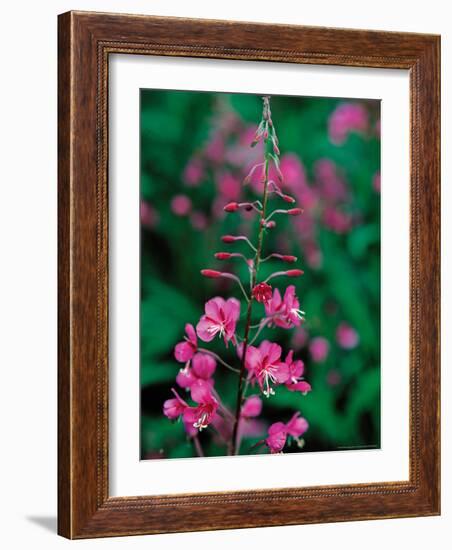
point(174, 126)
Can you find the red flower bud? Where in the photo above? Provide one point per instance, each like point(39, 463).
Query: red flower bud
point(294, 272)
point(288, 198)
point(211, 273)
point(262, 292)
point(223, 255)
point(228, 239)
point(289, 259)
point(295, 211)
point(270, 225)
point(231, 207)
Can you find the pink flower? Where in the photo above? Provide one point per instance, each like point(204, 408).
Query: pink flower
point(262, 292)
point(173, 408)
point(184, 351)
point(333, 378)
point(149, 216)
point(346, 118)
point(252, 407)
point(229, 187)
point(297, 425)
point(203, 367)
point(181, 205)
point(198, 220)
point(277, 435)
point(194, 172)
point(264, 364)
point(376, 182)
point(346, 336)
point(220, 318)
point(201, 415)
point(284, 312)
point(295, 381)
point(319, 348)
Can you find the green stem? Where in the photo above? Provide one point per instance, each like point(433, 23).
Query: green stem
point(260, 239)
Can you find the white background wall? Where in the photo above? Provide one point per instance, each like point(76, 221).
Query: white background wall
point(28, 269)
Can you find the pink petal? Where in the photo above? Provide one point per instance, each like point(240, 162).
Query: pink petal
point(214, 307)
point(183, 352)
point(189, 329)
point(202, 329)
point(203, 365)
point(297, 425)
point(201, 392)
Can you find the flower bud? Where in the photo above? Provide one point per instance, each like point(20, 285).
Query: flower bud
point(288, 259)
point(211, 273)
point(228, 238)
point(295, 211)
point(231, 207)
point(262, 292)
point(271, 224)
point(288, 198)
point(294, 273)
point(223, 255)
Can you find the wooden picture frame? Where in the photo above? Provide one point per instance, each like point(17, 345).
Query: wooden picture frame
point(85, 42)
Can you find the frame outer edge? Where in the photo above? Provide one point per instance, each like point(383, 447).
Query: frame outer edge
point(64, 279)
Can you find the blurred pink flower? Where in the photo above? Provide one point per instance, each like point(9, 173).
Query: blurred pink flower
point(229, 186)
point(220, 318)
point(336, 220)
point(180, 205)
point(299, 338)
point(198, 220)
point(331, 186)
point(215, 149)
point(148, 215)
point(333, 377)
point(346, 336)
point(376, 182)
point(194, 172)
point(252, 407)
point(319, 348)
point(346, 118)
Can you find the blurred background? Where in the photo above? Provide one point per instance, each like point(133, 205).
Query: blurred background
point(195, 152)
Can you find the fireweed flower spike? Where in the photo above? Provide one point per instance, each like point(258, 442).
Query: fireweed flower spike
point(260, 365)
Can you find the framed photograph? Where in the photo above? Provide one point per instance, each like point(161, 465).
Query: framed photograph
point(248, 275)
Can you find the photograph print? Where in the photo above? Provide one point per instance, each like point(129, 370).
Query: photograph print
point(259, 274)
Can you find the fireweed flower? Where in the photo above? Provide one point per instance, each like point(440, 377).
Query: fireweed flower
point(262, 292)
point(220, 318)
point(296, 427)
point(174, 408)
point(296, 370)
point(264, 365)
point(184, 351)
point(276, 439)
point(202, 368)
point(284, 312)
point(201, 415)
